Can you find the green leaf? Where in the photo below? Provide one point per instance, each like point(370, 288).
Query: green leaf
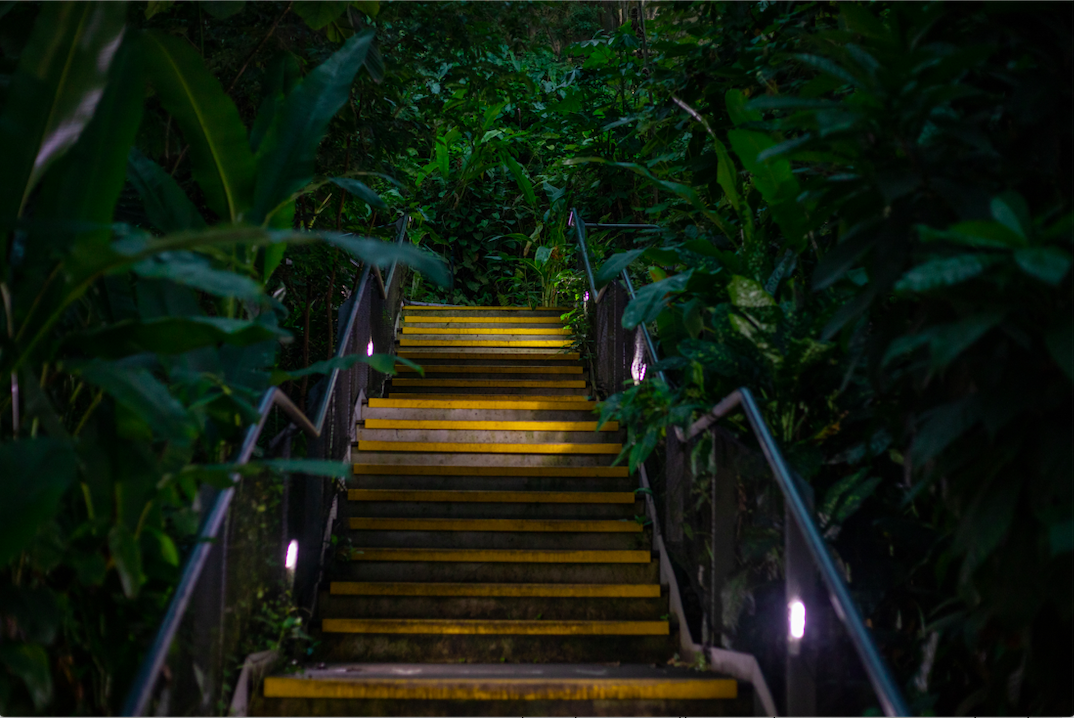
point(942, 425)
point(1061, 537)
point(1048, 264)
point(312, 467)
point(542, 255)
point(975, 233)
point(738, 109)
point(745, 292)
point(169, 553)
point(773, 178)
point(220, 156)
point(155, 7)
point(166, 205)
point(1060, 342)
point(286, 157)
point(945, 272)
point(828, 67)
point(318, 13)
point(1010, 210)
point(127, 556)
point(30, 663)
point(727, 177)
point(170, 335)
point(53, 95)
point(192, 270)
point(649, 301)
point(360, 190)
point(519, 174)
point(34, 473)
point(144, 395)
point(383, 363)
point(947, 341)
point(223, 9)
point(383, 254)
point(613, 267)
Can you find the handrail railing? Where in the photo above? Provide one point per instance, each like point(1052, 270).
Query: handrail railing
point(891, 699)
point(142, 688)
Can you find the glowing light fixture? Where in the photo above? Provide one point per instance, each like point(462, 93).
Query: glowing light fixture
point(369, 349)
point(796, 620)
point(292, 555)
point(585, 297)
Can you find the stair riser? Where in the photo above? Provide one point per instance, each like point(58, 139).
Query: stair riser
point(413, 323)
point(437, 459)
point(459, 572)
point(433, 648)
point(477, 414)
point(741, 706)
point(475, 392)
point(484, 608)
point(492, 437)
point(416, 314)
point(474, 359)
point(491, 483)
point(475, 510)
point(509, 373)
point(501, 540)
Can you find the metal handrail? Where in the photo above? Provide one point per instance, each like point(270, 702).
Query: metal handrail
point(891, 698)
point(142, 688)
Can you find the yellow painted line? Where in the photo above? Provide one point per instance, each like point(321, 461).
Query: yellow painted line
point(492, 555)
point(451, 447)
point(489, 356)
point(517, 331)
point(481, 627)
point(496, 525)
point(448, 369)
point(493, 383)
point(489, 497)
point(502, 689)
point(484, 320)
point(553, 398)
point(565, 404)
point(454, 307)
point(521, 343)
point(408, 424)
point(580, 472)
point(498, 590)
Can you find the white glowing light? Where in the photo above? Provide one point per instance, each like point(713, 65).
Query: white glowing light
point(292, 555)
point(796, 613)
point(369, 349)
point(585, 298)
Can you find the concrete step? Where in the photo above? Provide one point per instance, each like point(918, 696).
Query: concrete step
point(399, 388)
point(496, 497)
point(553, 647)
point(492, 483)
point(474, 470)
point(504, 342)
point(443, 319)
point(512, 511)
point(363, 563)
point(481, 627)
point(500, 540)
point(455, 310)
point(574, 526)
point(473, 330)
point(477, 354)
point(489, 371)
point(519, 404)
point(497, 590)
point(503, 416)
point(500, 689)
point(502, 426)
point(561, 449)
point(470, 436)
point(495, 608)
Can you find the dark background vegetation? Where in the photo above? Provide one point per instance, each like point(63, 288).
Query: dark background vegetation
point(867, 213)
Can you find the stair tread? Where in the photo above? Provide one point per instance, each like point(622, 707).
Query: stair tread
point(487, 448)
point(359, 523)
point(520, 497)
point(458, 470)
point(455, 555)
point(472, 626)
point(513, 590)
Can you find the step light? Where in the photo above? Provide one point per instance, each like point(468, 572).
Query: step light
point(369, 349)
point(291, 560)
point(796, 618)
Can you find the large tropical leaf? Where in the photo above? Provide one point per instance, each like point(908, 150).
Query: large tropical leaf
point(165, 203)
point(219, 150)
point(34, 473)
point(285, 158)
point(54, 93)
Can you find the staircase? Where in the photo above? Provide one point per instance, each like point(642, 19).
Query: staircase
point(489, 561)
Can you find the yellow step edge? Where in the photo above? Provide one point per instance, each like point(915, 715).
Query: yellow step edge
point(448, 369)
point(492, 497)
point(490, 555)
point(521, 343)
point(484, 320)
point(463, 307)
point(502, 689)
point(566, 404)
point(493, 383)
point(489, 356)
point(516, 331)
point(578, 472)
point(497, 590)
point(451, 447)
point(496, 525)
point(481, 627)
point(397, 395)
point(414, 424)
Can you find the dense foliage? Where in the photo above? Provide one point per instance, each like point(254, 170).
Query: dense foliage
point(865, 216)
